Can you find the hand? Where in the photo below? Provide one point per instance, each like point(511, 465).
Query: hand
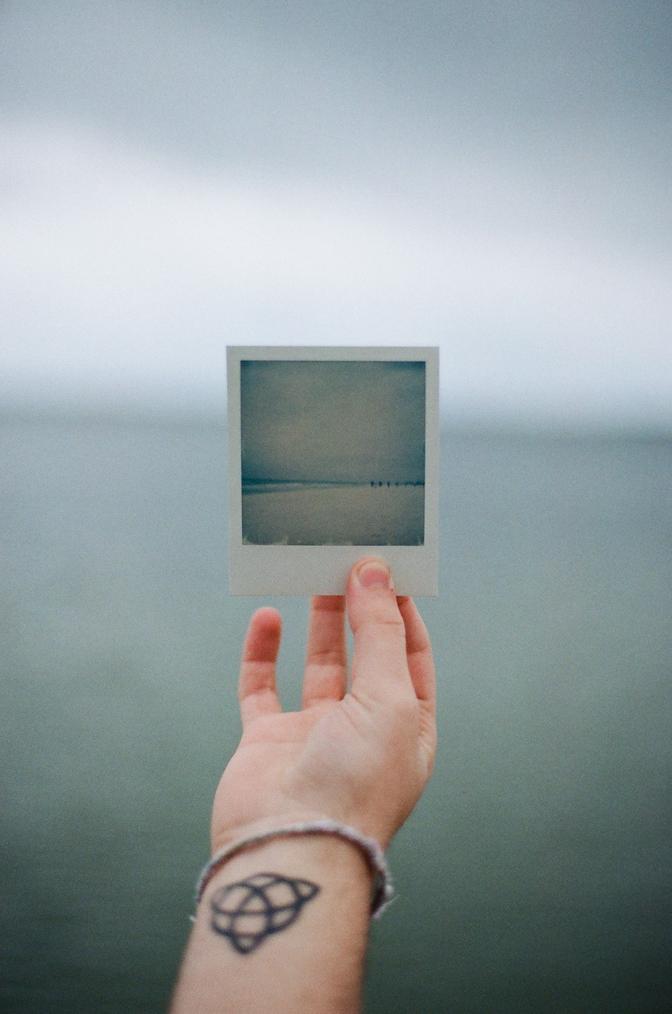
point(360, 756)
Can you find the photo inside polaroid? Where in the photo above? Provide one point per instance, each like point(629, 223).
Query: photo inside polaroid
point(332, 452)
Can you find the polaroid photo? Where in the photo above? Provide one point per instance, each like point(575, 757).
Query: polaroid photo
point(333, 455)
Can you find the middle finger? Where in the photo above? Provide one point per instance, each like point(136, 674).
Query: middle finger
point(326, 672)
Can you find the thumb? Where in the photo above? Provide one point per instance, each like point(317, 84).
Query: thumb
point(379, 662)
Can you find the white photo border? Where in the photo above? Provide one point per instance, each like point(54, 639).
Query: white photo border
point(323, 570)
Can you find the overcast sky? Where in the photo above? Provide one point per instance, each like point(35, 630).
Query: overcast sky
point(492, 178)
point(349, 422)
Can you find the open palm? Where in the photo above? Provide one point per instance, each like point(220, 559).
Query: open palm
point(360, 755)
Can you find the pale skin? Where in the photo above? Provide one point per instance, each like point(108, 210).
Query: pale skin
point(359, 752)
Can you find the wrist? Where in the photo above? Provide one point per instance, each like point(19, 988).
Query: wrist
point(299, 907)
point(333, 859)
point(368, 848)
point(223, 838)
point(324, 874)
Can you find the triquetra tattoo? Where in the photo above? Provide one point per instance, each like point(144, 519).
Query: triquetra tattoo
point(252, 909)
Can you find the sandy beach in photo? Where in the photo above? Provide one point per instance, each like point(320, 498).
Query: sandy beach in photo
point(348, 515)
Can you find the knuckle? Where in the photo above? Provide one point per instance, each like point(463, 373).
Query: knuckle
point(326, 656)
point(390, 627)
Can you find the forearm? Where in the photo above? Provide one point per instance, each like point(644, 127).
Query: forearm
point(296, 943)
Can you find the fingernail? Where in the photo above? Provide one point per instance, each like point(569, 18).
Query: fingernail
point(374, 574)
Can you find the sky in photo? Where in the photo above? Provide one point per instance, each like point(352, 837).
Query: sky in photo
point(333, 421)
point(489, 177)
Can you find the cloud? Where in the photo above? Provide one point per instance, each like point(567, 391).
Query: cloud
point(123, 274)
point(333, 420)
point(492, 179)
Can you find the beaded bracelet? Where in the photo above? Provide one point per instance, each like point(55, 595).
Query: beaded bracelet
point(383, 891)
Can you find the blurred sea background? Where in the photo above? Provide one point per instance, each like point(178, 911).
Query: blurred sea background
point(534, 874)
point(489, 178)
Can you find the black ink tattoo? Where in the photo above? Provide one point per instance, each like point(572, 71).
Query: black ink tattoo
point(250, 910)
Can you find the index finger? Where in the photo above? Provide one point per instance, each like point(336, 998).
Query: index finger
point(418, 652)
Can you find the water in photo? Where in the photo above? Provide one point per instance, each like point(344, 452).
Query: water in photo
point(332, 453)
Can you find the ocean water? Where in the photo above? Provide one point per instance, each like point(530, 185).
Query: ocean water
point(534, 874)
